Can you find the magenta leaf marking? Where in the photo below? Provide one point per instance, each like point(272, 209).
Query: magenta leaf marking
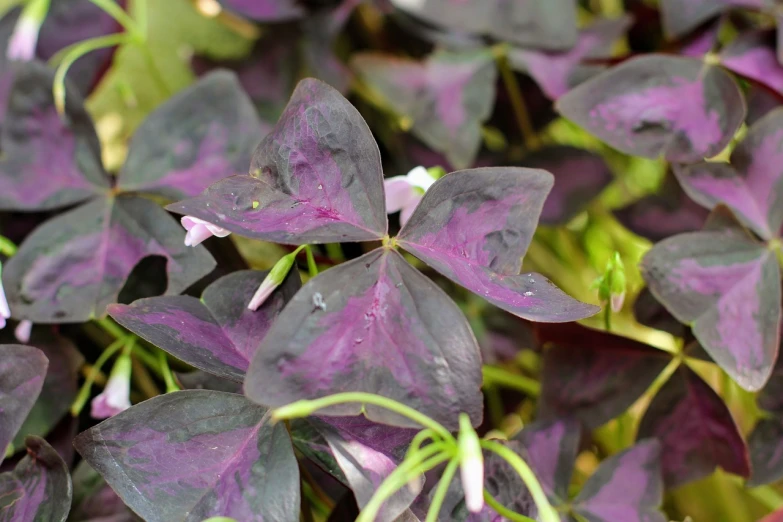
point(528, 23)
point(191, 455)
point(658, 105)
point(695, 429)
point(22, 373)
point(39, 488)
point(752, 186)
point(37, 144)
point(447, 97)
point(752, 55)
point(727, 287)
point(377, 325)
point(316, 177)
point(627, 487)
point(594, 376)
point(551, 448)
point(198, 137)
point(557, 72)
point(265, 10)
point(71, 267)
point(474, 226)
point(217, 333)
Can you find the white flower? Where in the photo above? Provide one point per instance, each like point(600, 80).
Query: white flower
point(22, 44)
point(471, 465)
point(115, 397)
point(264, 291)
point(23, 331)
point(403, 193)
point(199, 230)
point(5, 310)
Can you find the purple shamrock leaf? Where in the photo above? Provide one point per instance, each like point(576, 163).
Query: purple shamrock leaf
point(37, 144)
point(474, 226)
point(655, 105)
point(766, 451)
point(761, 101)
point(71, 267)
point(771, 397)
point(317, 177)
point(752, 55)
point(557, 72)
point(551, 448)
point(529, 23)
point(594, 376)
point(265, 10)
point(580, 176)
point(752, 186)
point(649, 312)
point(190, 455)
point(39, 488)
point(662, 215)
point(307, 438)
point(217, 333)
point(682, 16)
point(367, 453)
point(60, 386)
point(727, 288)
point(447, 97)
point(94, 500)
point(201, 380)
point(374, 324)
point(695, 429)
point(73, 21)
point(200, 136)
point(627, 487)
point(22, 373)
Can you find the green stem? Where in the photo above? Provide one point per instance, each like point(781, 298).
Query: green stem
point(7, 247)
point(608, 317)
point(335, 252)
point(73, 53)
point(305, 408)
point(495, 375)
point(315, 502)
point(115, 11)
point(403, 474)
point(84, 391)
point(419, 440)
point(149, 360)
point(503, 511)
point(311, 266)
point(521, 113)
point(440, 492)
point(545, 509)
point(112, 328)
point(168, 376)
point(153, 67)
point(139, 11)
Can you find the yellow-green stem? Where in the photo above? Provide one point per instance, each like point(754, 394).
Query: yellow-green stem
point(442, 489)
point(521, 113)
point(499, 376)
point(503, 510)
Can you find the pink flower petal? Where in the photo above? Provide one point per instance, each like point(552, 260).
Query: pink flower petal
point(23, 331)
point(399, 193)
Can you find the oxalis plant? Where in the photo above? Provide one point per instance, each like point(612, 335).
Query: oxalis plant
point(335, 328)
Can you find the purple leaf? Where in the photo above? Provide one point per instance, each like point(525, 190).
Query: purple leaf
point(682, 16)
point(447, 97)
point(662, 215)
point(374, 324)
point(190, 455)
point(307, 438)
point(595, 376)
point(761, 101)
point(474, 226)
point(94, 500)
point(528, 23)
point(627, 487)
point(752, 55)
point(367, 453)
point(37, 144)
point(551, 448)
point(657, 105)
point(771, 397)
point(727, 288)
point(752, 186)
point(649, 312)
point(557, 72)
point(216, 333)
point(22, 372)
point(75, 264)
point(200, 136)
point(60, 386)
point(695, 429)
point(39, 488)
point(265, 10)
point(73, 21)
point(316, 177)
point(200, 380)
point(580, 176)
point(766, 452)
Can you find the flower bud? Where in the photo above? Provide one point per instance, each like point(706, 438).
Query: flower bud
point(199, 230)
point(471, 464)
point(273, 280)
point(115, 397)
